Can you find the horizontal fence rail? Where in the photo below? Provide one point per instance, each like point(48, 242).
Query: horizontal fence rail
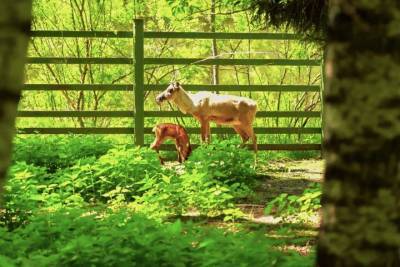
point(260, 114)
point(233, 87)
point(148, 130)
point(73, 130)
point(290, 147)
point(78, 87)
point(83, 34)
point(159, 114)
point(222, 35)
point(167, 35)
point(72, 60)
point(161, 87)
point(176, 61)
point(47, 114)
point(232, 61)
point(138, 87)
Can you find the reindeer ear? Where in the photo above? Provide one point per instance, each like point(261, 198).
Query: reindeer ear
point(177, 84)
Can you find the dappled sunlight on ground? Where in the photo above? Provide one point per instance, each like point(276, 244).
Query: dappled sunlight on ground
point(287, 176)
point(291, 177)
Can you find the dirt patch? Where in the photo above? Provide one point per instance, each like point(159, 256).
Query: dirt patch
point(311, 170)
point(286, 176)
point(277, 177)
point(273, 179)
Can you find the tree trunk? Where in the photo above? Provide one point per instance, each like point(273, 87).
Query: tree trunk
point(361, 202)
point(14, 30)
point(214, 48)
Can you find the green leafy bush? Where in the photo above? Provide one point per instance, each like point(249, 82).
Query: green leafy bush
point(134, 175)
point(213, 178)
point(56, 152)
point(190, 192)
point(76, 238)
point(308, 202)
point(56, 213)
point(22, 193)
point(224, 161)
point(116, 174)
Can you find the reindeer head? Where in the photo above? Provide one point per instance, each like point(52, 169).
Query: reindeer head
point(169, 93)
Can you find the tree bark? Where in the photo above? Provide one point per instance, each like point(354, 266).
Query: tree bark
point(15, 17)
point(361, 200)
point(214, 48)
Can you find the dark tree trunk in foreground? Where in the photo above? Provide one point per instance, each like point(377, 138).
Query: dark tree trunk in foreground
point(15, 18)
point(361, 202)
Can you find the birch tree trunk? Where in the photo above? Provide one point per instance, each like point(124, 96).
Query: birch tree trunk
point(361, 202)
point(15, 17)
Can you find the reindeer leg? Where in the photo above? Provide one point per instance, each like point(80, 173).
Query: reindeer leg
point(239, 129)
point(250, 133)
point(246, 133)
point(203, 131)
point(255, 146)
point(208, 132)
point(253, 136)
point(254, 139)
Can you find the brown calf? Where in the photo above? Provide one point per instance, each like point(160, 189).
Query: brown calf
point(176, 132)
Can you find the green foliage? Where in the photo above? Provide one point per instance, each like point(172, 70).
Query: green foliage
point(182, 6)
point(224, 160)
point(191, 192)
point(116, 174)
point(76, 238)
point(133, 176)
point(306, 17)
point(308, 202)
point(211, 180)
point(91, 211)
point(55, 152)
point(214, 177)
point(22, 193)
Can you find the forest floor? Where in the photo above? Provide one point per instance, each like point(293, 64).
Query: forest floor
point(288, 176)
point(291, 177)
point(274, 178)
point(267, 214)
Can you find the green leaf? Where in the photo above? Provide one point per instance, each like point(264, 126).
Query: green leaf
point(6, 262)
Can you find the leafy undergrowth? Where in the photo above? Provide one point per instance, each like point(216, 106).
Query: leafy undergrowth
point(132, 176)
point(74, 205)
point(55, 152)
point(74, 238)
point(308, 202)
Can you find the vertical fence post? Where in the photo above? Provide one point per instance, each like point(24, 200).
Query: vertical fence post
point(321, 95)
point(139, 81)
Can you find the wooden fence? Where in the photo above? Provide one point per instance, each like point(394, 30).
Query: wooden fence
point(138, 87)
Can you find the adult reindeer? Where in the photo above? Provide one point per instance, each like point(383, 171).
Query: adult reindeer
point(238, 112)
